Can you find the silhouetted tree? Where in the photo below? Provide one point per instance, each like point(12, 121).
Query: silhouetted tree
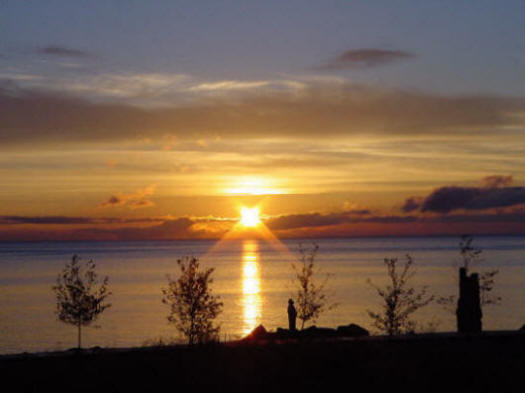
point(193, 307)
point(400, 299)
point(471, 256)
point(486, 285)
point(80, 294)
point(312, 298)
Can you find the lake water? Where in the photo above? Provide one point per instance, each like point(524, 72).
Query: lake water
point(253, 278)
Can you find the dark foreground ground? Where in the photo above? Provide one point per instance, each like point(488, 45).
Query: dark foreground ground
point(492, 362)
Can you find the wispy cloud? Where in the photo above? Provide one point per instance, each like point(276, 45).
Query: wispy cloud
point(61, 51)
point(136, 200)
point(412, 204)
point(68, 220)
point(147, 90)
point(38, 116)
point(291, 221)
point(364, 58)
point(109, 86)
point(495, 181)
point(179, 228)
point(233, 85)
point(228, 85)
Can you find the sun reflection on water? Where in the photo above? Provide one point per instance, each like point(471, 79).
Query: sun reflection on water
point(251, 286)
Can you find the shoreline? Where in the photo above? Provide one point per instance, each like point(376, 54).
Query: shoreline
point(490, 361)
point(246, 341)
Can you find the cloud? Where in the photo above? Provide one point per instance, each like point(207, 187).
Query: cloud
point(236, 85)
point(228, 85)
point(145, 89)
point(337, 224)
point(179, 228)
point(364, 58)
point(495, 193)
point(37, 117)
point(68, 220)
point(317, 225)
point(112, 201)
point(136, 200)
point(446, 199)
point(162, 229)
point(495, 181)
point(54, 50)
point(6, 220)
point(411, 204)
point(313, 219)
point(130, 87)
point(20, 228)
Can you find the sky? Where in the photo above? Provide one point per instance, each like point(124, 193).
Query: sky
point(126, 120)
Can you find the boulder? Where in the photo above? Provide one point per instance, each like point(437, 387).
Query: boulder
point(286, 333)
point(258, 333)
point(316, 332)
point(352, 330)
point(312, 332)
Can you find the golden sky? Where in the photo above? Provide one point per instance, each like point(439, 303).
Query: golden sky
point(371, 129)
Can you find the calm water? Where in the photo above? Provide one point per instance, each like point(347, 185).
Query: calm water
point(253, 278)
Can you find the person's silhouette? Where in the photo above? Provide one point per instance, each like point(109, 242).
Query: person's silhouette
point(292, 315)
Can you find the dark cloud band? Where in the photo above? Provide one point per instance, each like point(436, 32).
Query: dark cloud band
point(293, 225)
point(54, 50)
point(494, 193)
point(37, 118)
point(364, 58)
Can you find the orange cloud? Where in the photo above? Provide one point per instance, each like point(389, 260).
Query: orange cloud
point(135, 200)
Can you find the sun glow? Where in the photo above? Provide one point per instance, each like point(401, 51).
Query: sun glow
point(251, 186)
point(250, 217)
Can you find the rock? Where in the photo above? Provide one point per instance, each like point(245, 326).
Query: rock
point(286, 333)
point(352, 330)
point(315, 332)
point(312, 332)
point(258, 333)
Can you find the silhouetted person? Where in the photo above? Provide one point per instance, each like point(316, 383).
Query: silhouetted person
point(292, 315)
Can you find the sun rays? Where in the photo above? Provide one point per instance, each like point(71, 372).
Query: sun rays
point(250, 226)
point(249, 217)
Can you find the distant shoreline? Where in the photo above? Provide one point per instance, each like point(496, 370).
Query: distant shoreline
point(299, 239)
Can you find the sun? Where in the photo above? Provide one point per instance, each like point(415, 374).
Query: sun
point(250, 217)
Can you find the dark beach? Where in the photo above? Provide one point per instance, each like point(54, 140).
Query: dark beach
point(487, 362)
